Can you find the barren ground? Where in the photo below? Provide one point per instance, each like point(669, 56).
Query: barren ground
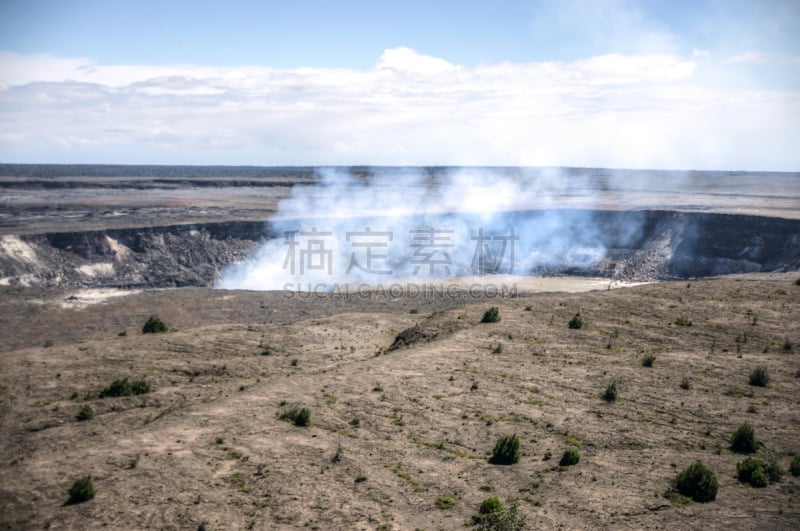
point(410, 425)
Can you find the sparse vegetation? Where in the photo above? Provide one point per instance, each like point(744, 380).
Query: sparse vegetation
point(611, 392)
point(154, 325)
point(685, 383)
point(491, 505)
point(86, 413)
point(571, 457)
point(759, 376)
point(124, 387)
point(492, 315)
point(794, 465)
point(493, 516)
point(576, 322)
point(683, 321)
point(758, 472)
point(506, 450)
point(697, 482)
point(82, 490)
point(743, 440)
point(648, 360)
point(299, 416)
point(445, 502)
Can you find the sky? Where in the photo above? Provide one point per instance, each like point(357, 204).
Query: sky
point(704, 84)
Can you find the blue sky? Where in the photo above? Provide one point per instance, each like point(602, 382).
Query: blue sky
point(309, 82)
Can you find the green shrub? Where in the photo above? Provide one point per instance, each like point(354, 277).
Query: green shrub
point(743, 440)
point(492, 315)
point(697, 482)
point(759, 376)
point(611, 392)
point(576, 322)
point(86, 413)
point(648, 360)
point(494, 517)
point(570, 457)
point(773, 469)
point(297, 416)
point(82, 490)
point(445, 502)
point(303, 417)
point(683, 321)
point(154, 325)
point(506, 450)
point(794, 466)
point(797, 282)
point(751, 470)
point(685, 383)
point(124, 387)
point(491, 505)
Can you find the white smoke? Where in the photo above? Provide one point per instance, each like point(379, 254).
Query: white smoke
point(393, 224)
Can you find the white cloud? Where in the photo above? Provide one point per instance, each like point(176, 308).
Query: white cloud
point(611, 110)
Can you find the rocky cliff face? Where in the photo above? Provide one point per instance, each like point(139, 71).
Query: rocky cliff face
point(661, 245)
point(180, 255)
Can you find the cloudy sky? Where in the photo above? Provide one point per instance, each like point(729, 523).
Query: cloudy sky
point(703, 84)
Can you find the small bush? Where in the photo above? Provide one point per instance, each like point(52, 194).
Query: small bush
point(697, 482)
point(506, 450)
point(570, 457)
point(576, 322)
point(685, 383)
point(493, 516)
point(751, 470)
point(491, 505)
point(445, 502)
point(683, 321)
point(743, 440)
point(759, 376)
point(611, 392)
point(86, 413)
point(297, 416)
point(797, 282)
point(82, 490)
point(124, 387)
point(787, 345)
point(794, 466)
point(492, 315)
point(648, 360)
point(154, 325)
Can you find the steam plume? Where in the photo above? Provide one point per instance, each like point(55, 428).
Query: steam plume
point(415, 224)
